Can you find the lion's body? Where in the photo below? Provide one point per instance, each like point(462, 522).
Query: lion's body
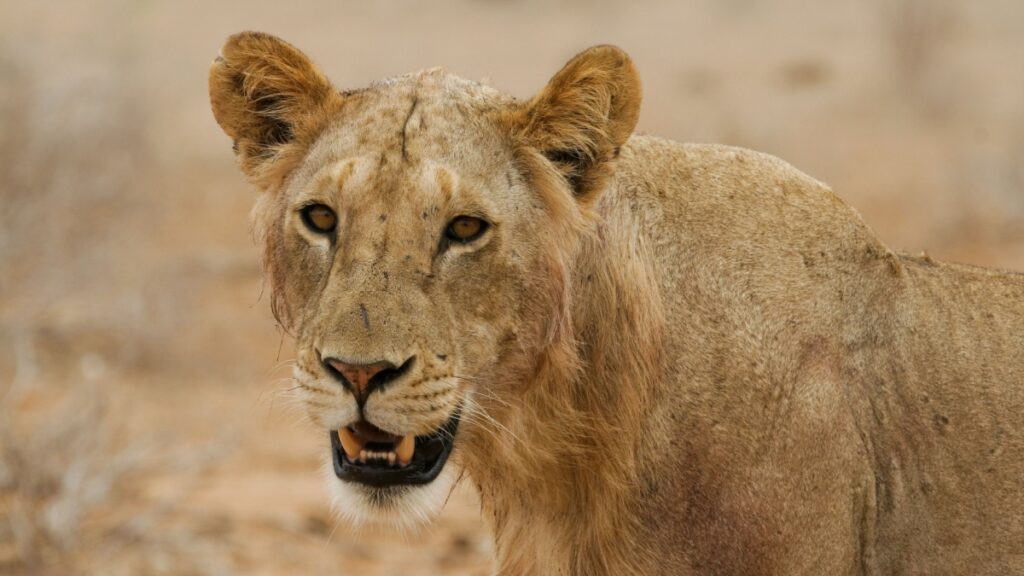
point(666, 359)
point(828, 407)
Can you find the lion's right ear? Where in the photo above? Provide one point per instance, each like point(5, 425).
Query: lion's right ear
point(584, 115)
point(270, 99)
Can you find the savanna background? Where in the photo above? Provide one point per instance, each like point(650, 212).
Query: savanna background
point(145, 421)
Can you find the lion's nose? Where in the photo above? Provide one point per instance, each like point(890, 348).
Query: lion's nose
point(362, 379)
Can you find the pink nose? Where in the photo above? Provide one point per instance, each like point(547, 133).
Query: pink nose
point(359, 375)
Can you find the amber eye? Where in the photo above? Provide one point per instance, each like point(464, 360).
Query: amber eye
point(319, 218)
point(465, 229)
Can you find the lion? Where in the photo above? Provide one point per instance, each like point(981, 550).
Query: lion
point(647, 357)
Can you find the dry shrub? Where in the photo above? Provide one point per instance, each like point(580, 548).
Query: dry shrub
point(59, 466)
point(77, 315)
point(70, 478)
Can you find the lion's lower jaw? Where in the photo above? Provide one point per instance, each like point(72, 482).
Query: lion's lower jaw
point(400, 507)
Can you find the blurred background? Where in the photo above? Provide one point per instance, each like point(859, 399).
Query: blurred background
point(145, 423)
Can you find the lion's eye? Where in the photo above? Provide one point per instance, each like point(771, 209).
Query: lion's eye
point(319, 218)
point(465, 229)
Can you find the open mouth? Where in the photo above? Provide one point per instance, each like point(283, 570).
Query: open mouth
point(366, 454)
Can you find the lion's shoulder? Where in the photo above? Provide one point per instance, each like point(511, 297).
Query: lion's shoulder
point(716, 198)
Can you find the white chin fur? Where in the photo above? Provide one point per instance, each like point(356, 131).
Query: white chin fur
point(402, 507)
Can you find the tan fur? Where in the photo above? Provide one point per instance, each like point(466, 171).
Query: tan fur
point(671, 359)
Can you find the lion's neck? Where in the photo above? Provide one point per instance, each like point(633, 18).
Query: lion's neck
point(576, 436)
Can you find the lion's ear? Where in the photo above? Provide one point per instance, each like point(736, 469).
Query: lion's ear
point(269, 98)
point(585, 113)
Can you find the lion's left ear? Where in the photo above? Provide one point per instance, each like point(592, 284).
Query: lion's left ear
point(585, 113)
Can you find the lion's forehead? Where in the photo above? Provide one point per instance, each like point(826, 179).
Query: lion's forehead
point(429, 115)
point(365, 185)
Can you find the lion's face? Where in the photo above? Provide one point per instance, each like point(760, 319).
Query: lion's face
point(417, 237)
point(420, 273)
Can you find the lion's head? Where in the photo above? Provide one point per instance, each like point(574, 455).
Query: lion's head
point(419, 236)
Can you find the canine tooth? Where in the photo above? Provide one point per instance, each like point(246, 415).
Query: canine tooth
point(391, 458)
point(405, 449)
point(350, 443)
point(362, 455)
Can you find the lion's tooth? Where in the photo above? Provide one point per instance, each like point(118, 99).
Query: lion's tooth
point(362, 455)
point(391, 458)
point(350, 443)
point(404, 450)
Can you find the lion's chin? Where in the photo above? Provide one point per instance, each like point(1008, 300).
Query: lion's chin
point(405, 507)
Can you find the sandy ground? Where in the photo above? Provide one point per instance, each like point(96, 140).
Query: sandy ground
point(145, 423)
